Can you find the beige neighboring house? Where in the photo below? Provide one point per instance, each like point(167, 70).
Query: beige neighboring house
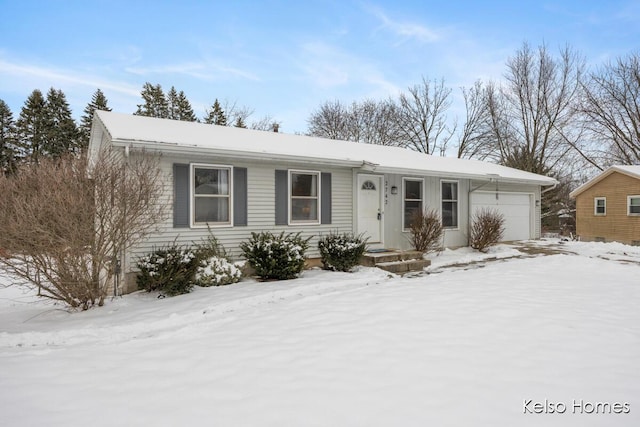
point(608, 206)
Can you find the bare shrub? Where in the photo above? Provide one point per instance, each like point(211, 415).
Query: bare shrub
point(426, 230)
point(65, 223)
point(487, 228)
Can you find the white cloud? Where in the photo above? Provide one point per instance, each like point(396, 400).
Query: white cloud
point(406, 30)
point(13, 71)
point(207, 70)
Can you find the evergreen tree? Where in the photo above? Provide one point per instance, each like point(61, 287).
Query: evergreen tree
point(179, 106)
point(185, 111)
point(7, 139)
point(62, 132)
point(32, 128)
point(216, 116)
point(98, 102)
point(239, 123)
point(155, 104)
point(172, 104)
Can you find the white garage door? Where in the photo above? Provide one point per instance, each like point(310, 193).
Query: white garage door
point(515, 207)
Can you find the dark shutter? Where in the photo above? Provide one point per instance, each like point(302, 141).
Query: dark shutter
point(282, 194)
point(325, 198)
point(180, 195)
point(239, 196)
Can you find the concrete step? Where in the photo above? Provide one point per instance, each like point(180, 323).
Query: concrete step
point(395, 261)
point(406, 266)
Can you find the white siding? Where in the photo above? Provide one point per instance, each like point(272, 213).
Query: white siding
point(261, 208)
point(395, 237)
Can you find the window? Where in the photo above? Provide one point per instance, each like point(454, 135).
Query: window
point(368, 185)
point(210, 194)
point(304, 188)
point(633, 205)
point(449, 204)
point(412, 195)
point(600, 206)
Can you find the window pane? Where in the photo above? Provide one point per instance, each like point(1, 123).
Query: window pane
point(304, 184)
point(449, 191)
point(211, 209)
point(304, 209)
point(449, 214)
point(211, 181)
point(634, 205)
point(411, 208)
point(413, 189)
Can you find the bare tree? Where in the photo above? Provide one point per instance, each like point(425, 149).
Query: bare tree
point(67, 239)
point(267, 123)
point(378, 122)
point(369, 122)
point(475, 139)
point(422, 117)
point(533, 116)
point(611, 110)
point(330, 120)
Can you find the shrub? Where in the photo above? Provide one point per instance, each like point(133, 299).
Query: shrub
point(209, 248)
point(426, 230)
point(341, 252)
point(276, 257)
point(170, 270)
point(215, 271)
point(487, 228)
point(67, 221)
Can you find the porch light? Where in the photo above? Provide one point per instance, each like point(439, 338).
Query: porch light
point(394, 189)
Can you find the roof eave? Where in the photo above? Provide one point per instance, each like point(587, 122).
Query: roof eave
point(182, 149)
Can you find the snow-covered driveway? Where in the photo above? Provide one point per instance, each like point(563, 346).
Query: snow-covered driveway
point(463, 347)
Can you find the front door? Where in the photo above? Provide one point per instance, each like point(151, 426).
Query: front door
point(370, 207)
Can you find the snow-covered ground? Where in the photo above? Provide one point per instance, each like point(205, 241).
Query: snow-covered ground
point(479, 341)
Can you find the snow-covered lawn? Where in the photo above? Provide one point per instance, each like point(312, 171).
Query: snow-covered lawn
point(467, 345)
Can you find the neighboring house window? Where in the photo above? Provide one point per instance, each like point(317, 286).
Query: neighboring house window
point(304, 190)
point(449, 204)
point(633, 205)
point(412, 195)
point(211, 194)
point(600, 205)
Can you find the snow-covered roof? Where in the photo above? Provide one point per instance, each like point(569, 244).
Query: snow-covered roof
point(172, 136)
point(630, 170)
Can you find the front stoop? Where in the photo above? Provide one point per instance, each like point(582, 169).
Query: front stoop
point(398, 262)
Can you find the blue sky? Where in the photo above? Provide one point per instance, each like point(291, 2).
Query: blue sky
point(285, 58)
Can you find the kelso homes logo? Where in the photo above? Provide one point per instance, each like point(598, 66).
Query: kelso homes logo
point(576, 406)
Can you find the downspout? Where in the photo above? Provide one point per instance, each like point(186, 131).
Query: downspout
point(119, 254)
point(549, 189)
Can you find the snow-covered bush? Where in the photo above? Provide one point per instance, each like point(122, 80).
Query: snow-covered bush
point(487, 228)
point(426, 230)
point(210, 247)
point(276, 256)
point(341, 252)
point(170, 270)
point(215, 271)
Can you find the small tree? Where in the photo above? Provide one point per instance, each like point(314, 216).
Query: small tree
point(426, 230)
point(487, 228)
point(66, 239)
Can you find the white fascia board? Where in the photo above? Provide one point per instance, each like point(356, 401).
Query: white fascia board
point(478, 177)
point(180, 149)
